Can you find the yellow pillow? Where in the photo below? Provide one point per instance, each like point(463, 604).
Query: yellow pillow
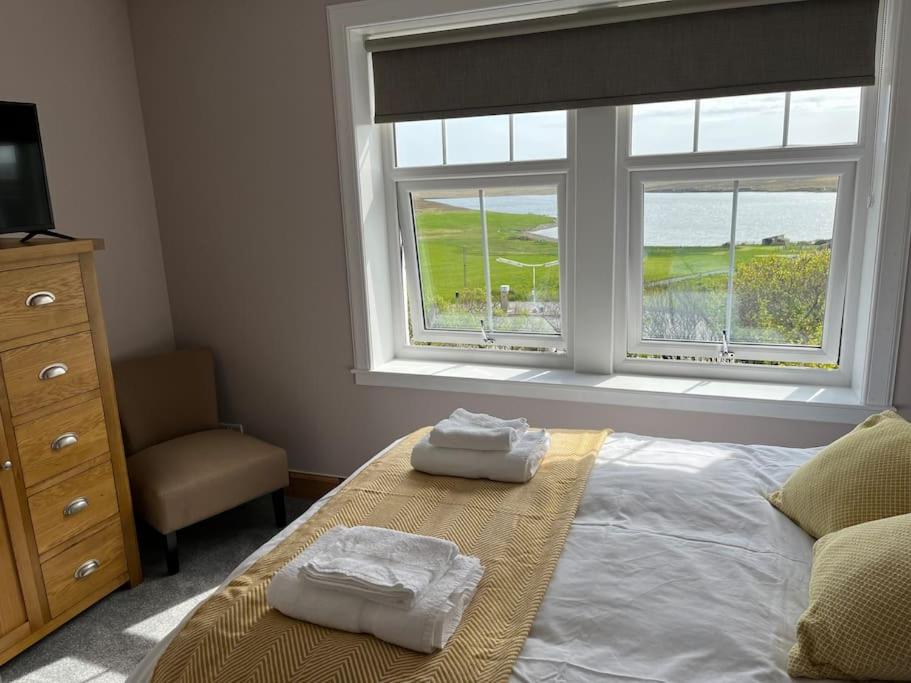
point(858, 624)
point(864, 475)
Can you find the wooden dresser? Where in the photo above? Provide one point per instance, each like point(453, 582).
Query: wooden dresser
point(67, 537)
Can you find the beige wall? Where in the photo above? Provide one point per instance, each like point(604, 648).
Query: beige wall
point(238, 109)
point(75, 60)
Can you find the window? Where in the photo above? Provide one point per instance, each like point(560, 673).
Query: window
point(735, 254)
point(745, 261)
point(741, 260)
point(487, 257)
point(810, 118)
point(482, 256)
point(481, 139)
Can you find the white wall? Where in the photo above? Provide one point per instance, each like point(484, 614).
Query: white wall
point(238, 108)
point(75, 60)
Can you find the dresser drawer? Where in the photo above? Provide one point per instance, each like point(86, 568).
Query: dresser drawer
point(77, 504)
point(42, 374)
point(55, 443)
point(40, 299)
point(88, 566)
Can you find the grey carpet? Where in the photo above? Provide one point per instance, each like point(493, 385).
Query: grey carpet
point(105, 643)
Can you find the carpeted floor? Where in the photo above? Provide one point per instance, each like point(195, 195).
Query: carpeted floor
point(105, 642)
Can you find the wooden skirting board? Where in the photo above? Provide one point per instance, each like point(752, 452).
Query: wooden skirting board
point(310, 486)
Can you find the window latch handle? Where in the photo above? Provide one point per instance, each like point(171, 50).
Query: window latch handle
point(485, 334)
point(726, 355)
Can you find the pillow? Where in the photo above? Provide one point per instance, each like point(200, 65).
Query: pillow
point(863, 476)
point(858, 624)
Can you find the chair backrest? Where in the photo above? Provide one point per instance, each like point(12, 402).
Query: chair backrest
point(165, 396)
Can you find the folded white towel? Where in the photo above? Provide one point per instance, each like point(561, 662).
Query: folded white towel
point(485, 420)
point(451, 434)
point(516, 465)
point(477, 431)
point(425, 627)
point(383, 565)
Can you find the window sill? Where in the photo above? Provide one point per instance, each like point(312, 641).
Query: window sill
point(759, 399)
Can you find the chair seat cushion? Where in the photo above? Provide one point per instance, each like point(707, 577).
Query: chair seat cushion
point(190, 478)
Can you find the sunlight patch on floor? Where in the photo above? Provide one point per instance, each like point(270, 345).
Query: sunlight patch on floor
point(160, 624)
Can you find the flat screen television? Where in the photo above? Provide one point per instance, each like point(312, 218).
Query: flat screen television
point(25, 203)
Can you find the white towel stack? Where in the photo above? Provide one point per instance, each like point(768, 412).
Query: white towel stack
point(386, 566)
point(405, 589)
point(477, 432)
point(479, 446)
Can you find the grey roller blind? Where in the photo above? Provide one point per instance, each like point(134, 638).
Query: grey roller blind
point(754, 49)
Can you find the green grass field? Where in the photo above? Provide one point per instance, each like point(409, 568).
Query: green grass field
point(449, 244)
point(665, 263)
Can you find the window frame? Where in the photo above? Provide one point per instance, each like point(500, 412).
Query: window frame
point(411, 261)
point(444, 153)
point(785, 132)
point(594, 368)
point(798, 160)
point(837, 280)
point(408, 307)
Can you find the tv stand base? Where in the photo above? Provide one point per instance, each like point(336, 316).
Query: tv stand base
point(46, 233)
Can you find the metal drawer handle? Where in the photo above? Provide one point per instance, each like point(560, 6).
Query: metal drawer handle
point(64, 441)
point(75, 507)
point(40, 299)
point(53, 370)
point(86, 568)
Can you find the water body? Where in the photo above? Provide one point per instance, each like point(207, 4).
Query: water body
point(699, 219)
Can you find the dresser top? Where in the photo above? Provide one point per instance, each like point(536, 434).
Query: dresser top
point(12, 249)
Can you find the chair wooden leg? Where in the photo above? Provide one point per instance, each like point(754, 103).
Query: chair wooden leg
point(172, 557)
point(278, 505)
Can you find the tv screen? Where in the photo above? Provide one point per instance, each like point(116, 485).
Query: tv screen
point(24, 200)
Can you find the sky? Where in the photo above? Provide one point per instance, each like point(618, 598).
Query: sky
point(817, 117)
point(746, 122)
point(481, 139)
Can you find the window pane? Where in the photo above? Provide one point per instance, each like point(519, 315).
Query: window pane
point(524, 259)
point(686, 233)
point(665, 128)
point(478, 139)
point(419, 143)
point(783, 247)
point(524, 250)
point(745, 122)
point(825, 117)
point(447, 229)
point(539, 136)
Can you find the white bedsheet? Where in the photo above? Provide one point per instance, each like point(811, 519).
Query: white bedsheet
point(676, 569)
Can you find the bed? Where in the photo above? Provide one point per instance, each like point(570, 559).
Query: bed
point(676, 568)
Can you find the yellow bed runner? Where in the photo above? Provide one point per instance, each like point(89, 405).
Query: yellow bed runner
point(518, 532)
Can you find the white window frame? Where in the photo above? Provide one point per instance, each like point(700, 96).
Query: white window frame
point(594, 367)
point(852, 163)
point(406, 304)
point(419, 331)
point(837, 282)
point(511, 132)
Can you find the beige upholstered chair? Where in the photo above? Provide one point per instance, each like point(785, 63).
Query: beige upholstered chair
point(183, 467)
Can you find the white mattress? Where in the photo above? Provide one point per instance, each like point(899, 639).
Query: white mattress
point(676, 569)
